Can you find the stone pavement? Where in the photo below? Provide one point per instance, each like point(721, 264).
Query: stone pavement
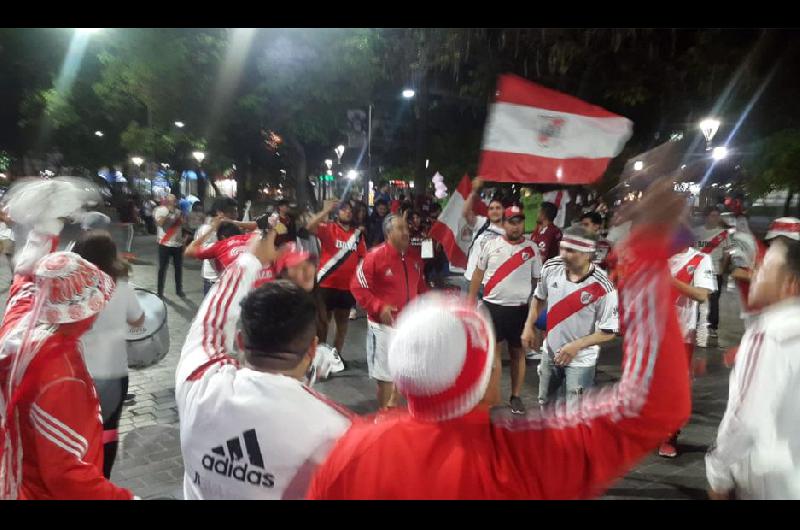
point(149, 460)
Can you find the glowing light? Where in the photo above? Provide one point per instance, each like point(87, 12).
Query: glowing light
point(180, 124)
point(352, 174)
point(427, 163)
point(99, 134)
point(638, 165)
point(328, 163)
point(88, 31)
point(709, 127)
point(409, 93)
point(137, 160)
point(199, 156)
point(719, 153)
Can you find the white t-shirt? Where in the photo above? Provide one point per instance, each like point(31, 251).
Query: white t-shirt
point(598, 309)
point(245, 434)
point(176, 237)
point(208, 272)
point(104, 347)
point(491, 232)
point(703, 237)
point(702, 277)
point(515, 288)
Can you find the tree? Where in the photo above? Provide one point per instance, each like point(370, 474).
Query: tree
point(772, 165)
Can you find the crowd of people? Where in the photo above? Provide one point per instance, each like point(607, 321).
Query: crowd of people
point(253, 427)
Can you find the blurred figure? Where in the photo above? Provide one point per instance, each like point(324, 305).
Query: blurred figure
point(288, 232)
point(756, 453)
point(449, 445)
point(223, 209)
point(104, 347)
point(169, 220)
point(484, 229)
point(375, 223)
point(384, 282)
point(547, 235)
point(713, 239)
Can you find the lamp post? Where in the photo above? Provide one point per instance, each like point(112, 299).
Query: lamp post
point(709, 127)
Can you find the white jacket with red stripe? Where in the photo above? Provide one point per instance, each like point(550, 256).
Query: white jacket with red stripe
point(245, 434)
point(757, 451)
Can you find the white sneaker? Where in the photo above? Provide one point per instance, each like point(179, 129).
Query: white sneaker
point(533, 355)
point(337, 364)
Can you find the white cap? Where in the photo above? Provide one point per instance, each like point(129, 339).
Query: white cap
point(441, 356)
point(784, 226)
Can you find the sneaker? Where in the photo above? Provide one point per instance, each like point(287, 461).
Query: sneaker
point(337, 365)
point(668, 449)
point(534, 355)
point(517, 406)
point(353, 314)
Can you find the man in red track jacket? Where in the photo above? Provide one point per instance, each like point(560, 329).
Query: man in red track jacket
point(451, 447)
point(51, 410)
point(384, 283)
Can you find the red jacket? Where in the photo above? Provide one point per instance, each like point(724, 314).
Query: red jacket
point(58, 414)
point(386, 277)
point(549, 454)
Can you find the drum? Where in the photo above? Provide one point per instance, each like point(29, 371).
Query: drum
point(149, 343)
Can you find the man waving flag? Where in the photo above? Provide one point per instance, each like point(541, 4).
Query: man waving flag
point(451, 229)
point(535, 134)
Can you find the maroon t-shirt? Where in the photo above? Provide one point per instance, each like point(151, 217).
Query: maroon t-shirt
point(548, 238)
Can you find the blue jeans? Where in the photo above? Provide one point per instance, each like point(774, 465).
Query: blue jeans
point(563, 382)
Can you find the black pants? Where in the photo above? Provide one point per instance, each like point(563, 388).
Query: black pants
point(164, 254)
point(112, 393)
point(713, 305)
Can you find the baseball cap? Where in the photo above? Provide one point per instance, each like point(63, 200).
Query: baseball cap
point(513, 211)
point(784, 226)
point(290, 256)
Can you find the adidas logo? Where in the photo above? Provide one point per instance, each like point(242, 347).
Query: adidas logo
point(226, 463)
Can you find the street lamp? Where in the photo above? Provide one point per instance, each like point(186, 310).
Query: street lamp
point(709, 127)
point(199, 156)
point(99, 134)
point(137, 160)
point(638, 165)
point(352, 174)
point(329, 163)
point(409, 93)
point(339, 152)
point(719, 153)
point(180, 124)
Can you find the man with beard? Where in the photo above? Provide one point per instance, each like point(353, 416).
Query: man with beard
point(508, 268)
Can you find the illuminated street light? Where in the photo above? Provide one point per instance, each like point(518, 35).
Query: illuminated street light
point(199, 156)
point(709, 127)
point(638, 165)
point(180, 124)
point(339, 152)
point(99, 134)
point(352, 174)
point(409, 93)
point(328, 163)
point(137, 160)
point(719, 152)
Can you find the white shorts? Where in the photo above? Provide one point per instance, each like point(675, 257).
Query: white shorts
point(378, 336)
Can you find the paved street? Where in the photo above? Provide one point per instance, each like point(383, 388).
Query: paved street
point(149, 460)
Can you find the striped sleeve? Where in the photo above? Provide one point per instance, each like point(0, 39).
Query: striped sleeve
point(67, 436)
point(362, 284)
point(582, 448)
point(211, 338)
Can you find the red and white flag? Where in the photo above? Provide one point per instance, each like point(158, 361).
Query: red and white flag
point(451, 229)
point(560, 198)
point(535, 134)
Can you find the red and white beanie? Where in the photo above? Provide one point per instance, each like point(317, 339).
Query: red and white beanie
point(784, 226)
point(440, 357)
point(74, 289)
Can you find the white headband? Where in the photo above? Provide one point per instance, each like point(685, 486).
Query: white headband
point(581, 244)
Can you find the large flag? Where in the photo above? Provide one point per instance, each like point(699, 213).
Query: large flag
point(535, 134)
point(451, 229)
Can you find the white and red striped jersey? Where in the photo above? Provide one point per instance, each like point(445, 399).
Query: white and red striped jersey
point(714, 242)
point(245, 434)
point(577, 309)
point(484, 231)
point(510, 269)
point(170, 234)
point(694, 268)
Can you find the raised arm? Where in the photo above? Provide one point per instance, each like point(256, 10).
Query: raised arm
point(468, 212)
point(315, 221)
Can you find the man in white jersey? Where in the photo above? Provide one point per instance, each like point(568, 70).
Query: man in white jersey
point(693, 279)
point(252, 428)
point(713, 238)
point(483, 228)
point(169, 220)
point(582, 313)
point(757, 451)
point(508, 268)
